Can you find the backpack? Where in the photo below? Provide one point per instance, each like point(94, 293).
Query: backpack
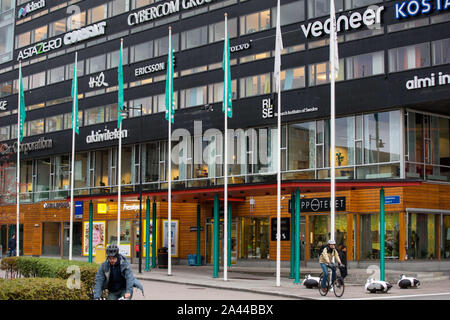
point(321, 250)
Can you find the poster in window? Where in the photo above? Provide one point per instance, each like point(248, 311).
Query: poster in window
point(174, 234)
point(98, 236)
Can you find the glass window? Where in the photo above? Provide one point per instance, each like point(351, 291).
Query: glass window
point(112, 112)
point(97, 14)
point(215, 91)
point(350, 4)
point(255, 22)
point(318, 234)
point(301, 146)
point(80, 69)
point(290, 13)
point(193, 97)
point(36, 127)
point(125, 232)
point(319, 73)
point(194, 38)
point(76, 21)
point(441, 51)
point(293, 78)
point(365, 65)
point(23, 39)
point(369, 237)
point(37, 80)
point(26, 176)
point(39, 34)
point(80, 170)
point(57, 28)
point(381, 132)
point(151, 162)
point(5, 88)
point(255, 85)
point(55, 75)
point(142, 51)
point(94, 115)
point(4, 133)
point(112, 58)
point(422, 236)
point(140, 3)
point(161, 45)
point(446, 236)
point(117, 7)
point(136, 104)
point(409, 57)
point(6, 40)
point(54, 123)
point(62, 172)
point(345, 141)
point(68, 120)
point(43, 174)
point(319, 8)
point(96, 64)
point(217, 30)
point(101, 168)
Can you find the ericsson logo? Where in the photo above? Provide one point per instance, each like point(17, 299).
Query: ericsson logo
point(33, 6)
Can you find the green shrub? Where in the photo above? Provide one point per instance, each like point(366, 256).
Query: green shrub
point(40, 289)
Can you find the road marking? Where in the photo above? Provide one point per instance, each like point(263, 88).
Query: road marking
point(405, 296)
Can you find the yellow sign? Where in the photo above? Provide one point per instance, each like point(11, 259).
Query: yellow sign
point(102, 208)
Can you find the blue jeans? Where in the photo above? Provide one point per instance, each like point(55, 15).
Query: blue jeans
point(325, 274)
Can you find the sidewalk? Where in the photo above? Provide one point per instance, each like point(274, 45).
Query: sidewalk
point(258, 281)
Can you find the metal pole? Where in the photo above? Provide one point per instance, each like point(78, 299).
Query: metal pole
point(91, 213)
point(199, 258)
point(225, 191)
point(119, 169)
point(72, 173)
point(169, 234)
point(332, 122)
point(229, 235)
point(292, 235)
point(297, 236)
point(141, 234)
point(18, 166)
point(147, 234)
point(382, 235)
point(154, 232)
point(216, 237)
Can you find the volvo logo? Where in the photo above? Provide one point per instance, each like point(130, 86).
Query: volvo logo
point(241, 47)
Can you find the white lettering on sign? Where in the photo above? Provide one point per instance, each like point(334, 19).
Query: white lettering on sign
point(3, 105)
point(30, 7)
point(426, 82)
point(163, 10)
point(241, 47)
point(267, 108)
point(150, 69)
point(72, 37)
point(411, 8)
point(106, 135)
point(98, 81)
point(369, 17)
point(41, 144)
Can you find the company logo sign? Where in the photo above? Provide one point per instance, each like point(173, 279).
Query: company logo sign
point(268, 110)
point(163, 10)
point(98, 81)
point(322, 204)
point(56, 205)
point(3, 105)
point(241, 47)
point(427, 82)
point(106, 135)
point(41, 144)
point(72, 37)
point(30, 7)
point(371, 16)
point(411, 8)
point(102, 208)
point(152, 68)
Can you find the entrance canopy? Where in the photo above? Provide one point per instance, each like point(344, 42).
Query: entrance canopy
point(238, 192)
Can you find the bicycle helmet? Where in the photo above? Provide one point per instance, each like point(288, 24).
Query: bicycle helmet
point(331, 242)
point(112, 250)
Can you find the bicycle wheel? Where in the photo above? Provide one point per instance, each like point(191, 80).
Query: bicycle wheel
point(339, 287)
point(324, 293)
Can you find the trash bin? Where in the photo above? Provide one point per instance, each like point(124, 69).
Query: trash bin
point(100, 254)
point(162, 258)
point(192, 260)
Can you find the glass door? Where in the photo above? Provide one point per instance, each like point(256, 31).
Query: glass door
point(446, 237)
point(254, 238)
point(422, 235)
point(209, 248)
point(76, 239)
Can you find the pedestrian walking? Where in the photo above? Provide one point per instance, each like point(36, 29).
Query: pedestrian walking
point(343, 257)
point(12, 246)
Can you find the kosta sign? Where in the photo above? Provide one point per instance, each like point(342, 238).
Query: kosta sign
point(164, 10)
point(411, 8)
point(371, 16)
point(30, 7)
point(69, 38)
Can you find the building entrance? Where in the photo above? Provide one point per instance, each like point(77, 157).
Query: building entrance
point(254, 238)
point(209, 254)
point(76, 239)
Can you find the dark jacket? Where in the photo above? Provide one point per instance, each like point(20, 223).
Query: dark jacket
point(343, 257)
point(103, 275)
point(12, 244)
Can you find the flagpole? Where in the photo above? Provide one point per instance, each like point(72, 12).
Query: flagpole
point(278, 48)
point(75, 91)
point(18, 160)
point(169, 229)
point(225, 200)
point(119, 169)
point(333, 44)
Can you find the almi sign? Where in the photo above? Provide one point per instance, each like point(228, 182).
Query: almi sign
point(163, 10)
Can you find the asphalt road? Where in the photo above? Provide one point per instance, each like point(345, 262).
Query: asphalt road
point(158, 290)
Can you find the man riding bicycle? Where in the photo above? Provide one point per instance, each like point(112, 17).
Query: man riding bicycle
point(115, 274)
point(326, 259)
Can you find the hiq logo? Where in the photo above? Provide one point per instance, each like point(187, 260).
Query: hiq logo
point(411, 8)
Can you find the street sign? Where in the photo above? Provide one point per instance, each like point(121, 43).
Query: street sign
point(392, 200)
point(78, 209)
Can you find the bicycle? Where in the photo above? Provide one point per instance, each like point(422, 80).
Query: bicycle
point(338, 284)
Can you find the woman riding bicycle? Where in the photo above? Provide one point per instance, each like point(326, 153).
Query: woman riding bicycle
point(326, 259)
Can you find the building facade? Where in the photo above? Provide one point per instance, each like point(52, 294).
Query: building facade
point(392, 126)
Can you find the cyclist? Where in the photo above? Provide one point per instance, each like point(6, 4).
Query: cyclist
point(326, 257)
point(115, 274)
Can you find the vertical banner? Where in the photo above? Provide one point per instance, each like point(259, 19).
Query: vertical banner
point(174, 230)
